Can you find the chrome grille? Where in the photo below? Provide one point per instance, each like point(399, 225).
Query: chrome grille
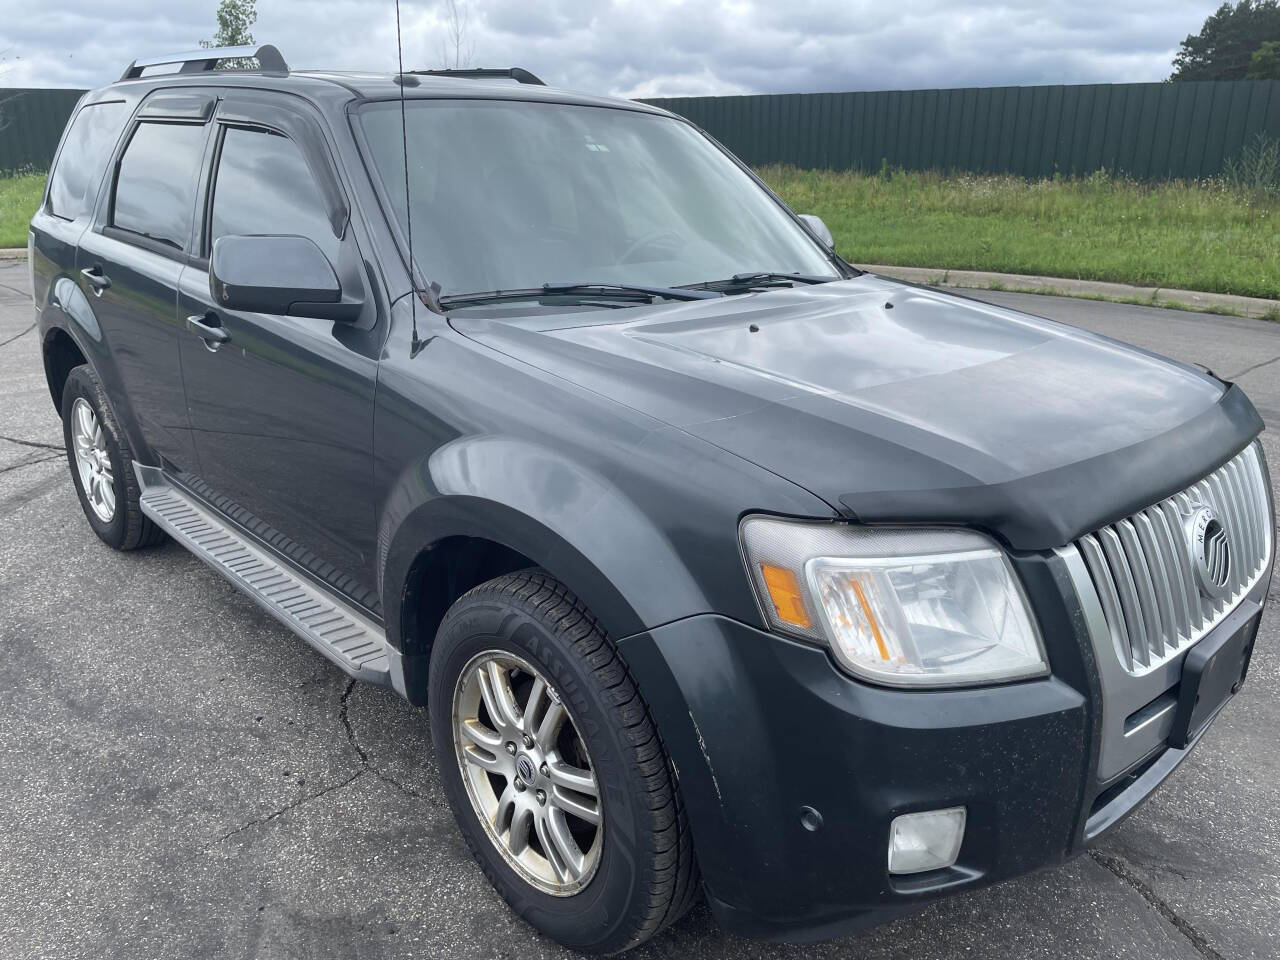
point(1143, 569)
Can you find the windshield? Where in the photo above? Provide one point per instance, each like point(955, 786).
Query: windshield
point(511, 195)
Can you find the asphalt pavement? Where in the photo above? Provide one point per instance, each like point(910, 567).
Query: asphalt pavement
point(181, 777)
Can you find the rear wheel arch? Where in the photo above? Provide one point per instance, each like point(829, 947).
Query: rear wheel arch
point(61, 355)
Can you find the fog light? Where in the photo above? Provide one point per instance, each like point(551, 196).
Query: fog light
point(925, 841)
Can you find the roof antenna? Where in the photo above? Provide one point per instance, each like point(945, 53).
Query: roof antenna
point(430, 300)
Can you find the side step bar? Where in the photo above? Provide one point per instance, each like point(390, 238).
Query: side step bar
point(347, 637)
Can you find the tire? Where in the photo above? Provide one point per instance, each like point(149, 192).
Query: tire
point(644, 876)
point(126, 528)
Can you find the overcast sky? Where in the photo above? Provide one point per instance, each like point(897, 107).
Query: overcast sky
point(641, 47)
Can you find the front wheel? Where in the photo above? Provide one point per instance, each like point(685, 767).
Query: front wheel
point(554, 769)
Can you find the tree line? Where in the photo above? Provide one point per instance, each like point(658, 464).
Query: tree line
point(1240, 42)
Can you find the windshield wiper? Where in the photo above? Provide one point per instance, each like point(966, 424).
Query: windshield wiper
point(745, 281)
point(597, 291)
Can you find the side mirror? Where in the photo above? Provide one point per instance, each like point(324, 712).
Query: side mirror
point(814, 223)
point(276, 274)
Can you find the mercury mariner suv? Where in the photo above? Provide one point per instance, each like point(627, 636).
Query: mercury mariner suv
point(720, 567)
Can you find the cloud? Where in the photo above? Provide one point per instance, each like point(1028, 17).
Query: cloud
point(642, 47)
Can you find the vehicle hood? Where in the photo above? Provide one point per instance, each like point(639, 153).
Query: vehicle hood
point(898, 403)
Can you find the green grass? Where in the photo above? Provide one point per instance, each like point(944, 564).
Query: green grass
point(1193, 236)
point(19, 196)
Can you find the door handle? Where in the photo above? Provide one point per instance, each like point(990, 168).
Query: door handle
point(209, 329)
point(96, 278)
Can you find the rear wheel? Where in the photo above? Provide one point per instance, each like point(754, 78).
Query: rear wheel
point(101, 465)
point(554, 769)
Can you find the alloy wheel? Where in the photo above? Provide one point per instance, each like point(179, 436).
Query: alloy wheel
point(93, 461)
point(527, 772)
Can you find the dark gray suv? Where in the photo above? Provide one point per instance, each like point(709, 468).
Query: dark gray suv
point(720, 567)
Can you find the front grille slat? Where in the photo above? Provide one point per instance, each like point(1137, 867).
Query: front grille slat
point(1160, 580)
point(1262, 495)
point(1181, 605)
point(1244, 569)
point(1139, 648)
point(1190, 595)
point(1146, 589)
point(1142, 567)
point(1259, 496)
point(1248, 508)
point(1236, 482)
point(1096, 562)
point(1240, 480)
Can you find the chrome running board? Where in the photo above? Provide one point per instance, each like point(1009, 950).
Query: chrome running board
point(334, 627)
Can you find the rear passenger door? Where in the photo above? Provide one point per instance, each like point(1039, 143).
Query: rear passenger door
point(129, 264)
point(67, 210)
point(282, 408)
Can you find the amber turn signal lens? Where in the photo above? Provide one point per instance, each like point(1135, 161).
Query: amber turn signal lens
point(871, 618)
point(784, 591)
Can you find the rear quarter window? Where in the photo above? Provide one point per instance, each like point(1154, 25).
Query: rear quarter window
point(155, 187)
point(78, 171)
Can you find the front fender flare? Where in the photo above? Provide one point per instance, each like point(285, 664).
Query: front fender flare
point(563, 516)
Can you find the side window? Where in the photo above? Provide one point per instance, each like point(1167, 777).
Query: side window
point(264, 185)
point(88, 146)
point(155, 187)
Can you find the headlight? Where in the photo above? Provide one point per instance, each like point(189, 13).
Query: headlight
point(900, 606)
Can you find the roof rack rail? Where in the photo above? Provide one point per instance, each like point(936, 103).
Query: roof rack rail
point(269, 60)
point(518, 74)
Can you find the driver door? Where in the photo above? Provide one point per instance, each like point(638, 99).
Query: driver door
point(281, 407)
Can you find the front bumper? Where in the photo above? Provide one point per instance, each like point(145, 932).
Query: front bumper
point(762, 729)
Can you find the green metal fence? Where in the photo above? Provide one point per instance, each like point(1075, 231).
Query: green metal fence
point(1151, 131)
point(31, 123)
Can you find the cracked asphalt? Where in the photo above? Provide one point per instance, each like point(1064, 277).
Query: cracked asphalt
point(180, 777)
